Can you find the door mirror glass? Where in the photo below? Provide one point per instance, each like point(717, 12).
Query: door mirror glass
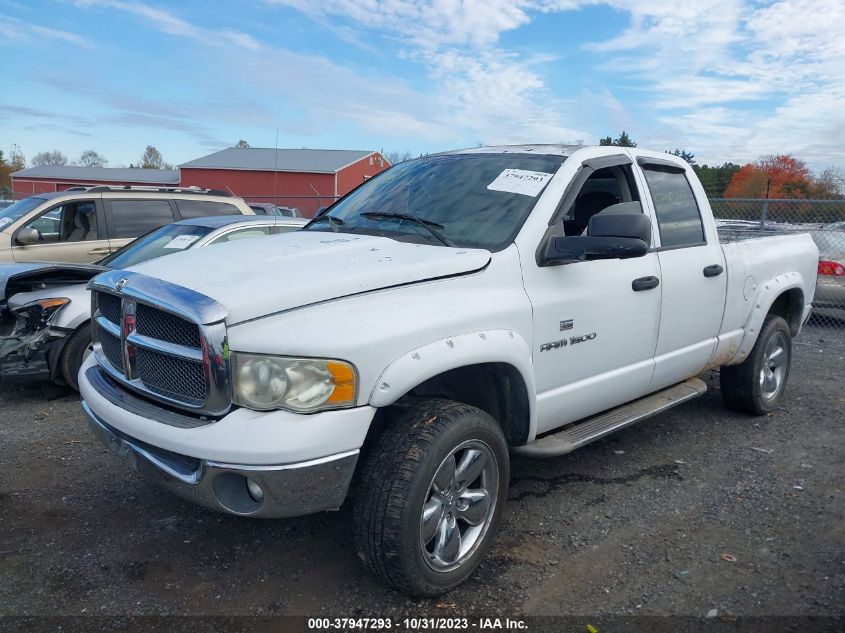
point(611, 236)
point(27, 236)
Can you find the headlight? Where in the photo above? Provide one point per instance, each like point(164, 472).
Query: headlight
point(39, 312)
point(299, 384)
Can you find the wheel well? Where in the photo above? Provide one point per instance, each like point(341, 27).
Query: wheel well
point(790, 306)
point(496, 388)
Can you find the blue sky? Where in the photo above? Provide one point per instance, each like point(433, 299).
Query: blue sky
point(725, 79)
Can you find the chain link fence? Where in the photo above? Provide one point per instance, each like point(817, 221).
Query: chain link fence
point(823, 220)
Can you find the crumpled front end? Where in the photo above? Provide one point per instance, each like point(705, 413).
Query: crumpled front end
point(29, 344)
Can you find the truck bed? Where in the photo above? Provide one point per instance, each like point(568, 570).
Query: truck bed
point(760, 263)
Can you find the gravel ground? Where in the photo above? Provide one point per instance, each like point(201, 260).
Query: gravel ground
point(694, 510)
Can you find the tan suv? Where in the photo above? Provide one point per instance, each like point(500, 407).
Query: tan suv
point(85, 226)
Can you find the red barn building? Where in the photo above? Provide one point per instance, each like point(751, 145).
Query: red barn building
point(48, 178)
point(303, 178)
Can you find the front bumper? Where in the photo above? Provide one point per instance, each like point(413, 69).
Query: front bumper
point(30, 359)
point(301, 463)
point(258, 491)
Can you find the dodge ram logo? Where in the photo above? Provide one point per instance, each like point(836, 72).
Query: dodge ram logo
point(120, 284)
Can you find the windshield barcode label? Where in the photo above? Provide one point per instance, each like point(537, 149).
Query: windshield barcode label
point(521, 181)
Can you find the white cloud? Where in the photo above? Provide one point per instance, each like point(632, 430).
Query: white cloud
point(739, 78)
point(481, 90)
point(171, 24)
point(728, 79)
point(15, 29)
point(428, 25)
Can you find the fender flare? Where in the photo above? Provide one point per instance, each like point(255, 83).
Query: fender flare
point(452, 352)
point(761, 304)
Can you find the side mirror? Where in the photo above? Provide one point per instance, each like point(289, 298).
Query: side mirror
point(626, 225)
point(612, 236)
point(27, 236)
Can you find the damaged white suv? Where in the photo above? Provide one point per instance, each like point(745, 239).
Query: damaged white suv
point(448, 312)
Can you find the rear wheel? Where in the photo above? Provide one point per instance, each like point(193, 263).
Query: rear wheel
point(757, 384)
point(431, 495)
point(76, 350)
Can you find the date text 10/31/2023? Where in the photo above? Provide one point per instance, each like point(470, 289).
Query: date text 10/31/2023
point(417, 624)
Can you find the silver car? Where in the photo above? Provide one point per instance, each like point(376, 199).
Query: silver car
point(84, 224)
point(45, 308)
point(830, 287)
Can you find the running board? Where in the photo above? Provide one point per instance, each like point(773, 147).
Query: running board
point(591, 429)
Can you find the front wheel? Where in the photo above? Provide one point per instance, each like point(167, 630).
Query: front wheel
point(431, 495)
point(757, 384)
point(76, 351)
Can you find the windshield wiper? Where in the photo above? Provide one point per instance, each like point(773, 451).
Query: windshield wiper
point(428, 225)
point(333, 222)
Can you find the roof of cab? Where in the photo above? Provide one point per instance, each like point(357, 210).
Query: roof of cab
point(552, 149)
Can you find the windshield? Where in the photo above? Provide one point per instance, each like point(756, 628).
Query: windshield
point(17, 210)
point(472, 200)
point(166, 240)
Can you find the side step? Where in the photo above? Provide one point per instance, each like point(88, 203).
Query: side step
point(591, 429)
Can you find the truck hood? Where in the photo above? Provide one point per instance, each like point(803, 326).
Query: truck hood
point(255, 278)
point(26, 277)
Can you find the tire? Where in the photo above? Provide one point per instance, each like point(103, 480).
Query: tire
point(73, 354)
point(397, 481)
point(757, 384)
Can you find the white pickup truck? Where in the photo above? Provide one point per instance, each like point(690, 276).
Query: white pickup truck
point(451, 311)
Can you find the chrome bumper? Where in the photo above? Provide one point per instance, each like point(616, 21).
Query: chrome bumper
point(257, 491)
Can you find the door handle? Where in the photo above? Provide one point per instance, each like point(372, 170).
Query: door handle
point(714, 270)
point(100, 251)
point(645, 283)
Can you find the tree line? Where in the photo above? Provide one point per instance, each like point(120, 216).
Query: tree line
point(150, 159)
point(771, 176)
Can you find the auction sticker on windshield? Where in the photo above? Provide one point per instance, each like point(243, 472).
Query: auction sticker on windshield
point(521, 181)
point(182, 242)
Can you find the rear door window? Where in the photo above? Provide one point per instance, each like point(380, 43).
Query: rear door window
point(203, 208)
point(677, 211)
point(131, 218)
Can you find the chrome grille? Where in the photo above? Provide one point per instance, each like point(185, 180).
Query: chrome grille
point(111, 348)
point(166, 327)
point(168, 344)
point(170, 376)
point(109, 306)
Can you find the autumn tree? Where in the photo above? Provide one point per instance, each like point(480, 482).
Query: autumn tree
point(152, 158)
point(623, 140)
point(90, 158)
point(5, 175)
point(53, 159)
point(16, 159)
point(8, 166)
point(780, 176)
